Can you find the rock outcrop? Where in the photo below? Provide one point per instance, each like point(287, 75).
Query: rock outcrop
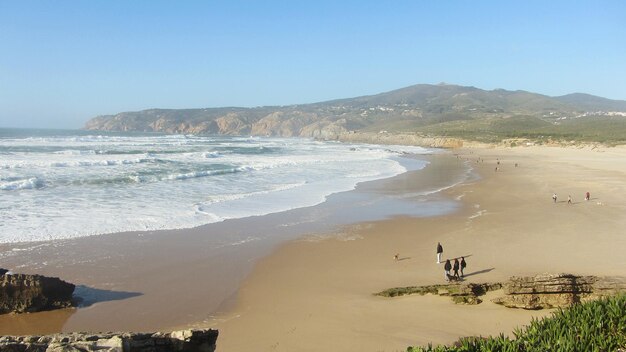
point(20, 293)
point(461, 293)
point(185, 340)
point(533, 292)
point(557, 290)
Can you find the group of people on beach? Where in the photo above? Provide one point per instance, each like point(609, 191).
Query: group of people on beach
point(569, 197)
point(456, 267)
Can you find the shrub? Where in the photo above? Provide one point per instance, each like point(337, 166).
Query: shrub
point(593, 326)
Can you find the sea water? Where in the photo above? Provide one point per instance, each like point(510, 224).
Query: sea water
point(58, 184)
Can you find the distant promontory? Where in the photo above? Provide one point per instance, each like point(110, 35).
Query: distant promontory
point(443, 110)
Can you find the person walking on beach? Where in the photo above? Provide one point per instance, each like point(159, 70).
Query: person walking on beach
point(446, 269)
point(554, 197)
point(463, 265)
point(456, 268)
point(569, 199)
point(587, 196)
point(439, 252)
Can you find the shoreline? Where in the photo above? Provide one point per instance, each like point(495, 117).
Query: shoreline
point(315, 292)
point(126, 276)
point(317, 295)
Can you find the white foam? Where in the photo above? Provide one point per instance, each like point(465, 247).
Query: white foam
point(477, 214)
point(75, 152)
point(29, 183)
point(68, 187)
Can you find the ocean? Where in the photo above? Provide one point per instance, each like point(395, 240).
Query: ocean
point(60, 184)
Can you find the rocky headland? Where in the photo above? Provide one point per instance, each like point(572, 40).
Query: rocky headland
point(415, 115)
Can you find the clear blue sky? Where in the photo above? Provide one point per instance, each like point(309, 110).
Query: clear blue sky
point(63, 62)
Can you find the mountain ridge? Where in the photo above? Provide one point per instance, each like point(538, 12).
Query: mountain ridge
point(422, 108)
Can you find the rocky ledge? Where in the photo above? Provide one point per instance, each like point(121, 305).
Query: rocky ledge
point(533, 292)
point(557, 290)
point(461, 293)
point(185, 340)
point(20, 293)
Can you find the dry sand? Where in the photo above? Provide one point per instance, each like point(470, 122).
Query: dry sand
point(315, 294)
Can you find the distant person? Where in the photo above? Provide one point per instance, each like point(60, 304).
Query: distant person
point(496, 169)
point(463, 265)
point(587, 196)
point(439, 252)
point(569, 199)
point(456, 268)
point(554, 197)
point(446, 269)
point(396, 257)
point(515, 164)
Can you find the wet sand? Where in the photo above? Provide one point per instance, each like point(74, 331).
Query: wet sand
point(146, 281)
point(315, 294)
point(36, 323)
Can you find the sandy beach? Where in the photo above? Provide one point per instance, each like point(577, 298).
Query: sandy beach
point(310, 287)
point(161, 280)
point(316, 295)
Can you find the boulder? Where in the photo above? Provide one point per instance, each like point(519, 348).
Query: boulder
point(20, 293)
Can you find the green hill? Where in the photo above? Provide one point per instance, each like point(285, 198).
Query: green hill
point(437, 110)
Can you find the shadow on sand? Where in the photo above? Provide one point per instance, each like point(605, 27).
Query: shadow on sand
point(88, 296)
point(443, 261)
point(479, 272)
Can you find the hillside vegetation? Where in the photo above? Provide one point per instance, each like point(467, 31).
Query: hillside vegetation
point(593, 326)
point(430, 110)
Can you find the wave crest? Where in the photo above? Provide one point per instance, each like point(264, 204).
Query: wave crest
point(29, 183)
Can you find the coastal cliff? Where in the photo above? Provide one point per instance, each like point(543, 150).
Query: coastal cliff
point(228, 121)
